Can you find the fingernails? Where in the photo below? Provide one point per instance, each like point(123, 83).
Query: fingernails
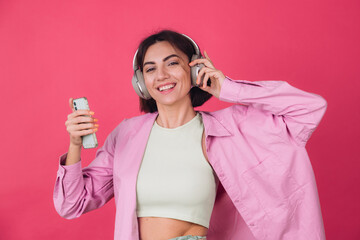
point(96, 120)
point(91, 113)
point(96, 125)
point(95, 129)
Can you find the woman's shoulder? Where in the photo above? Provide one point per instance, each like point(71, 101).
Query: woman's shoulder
point(238, 114)
point(236, 111)
point(130, 123)
point(140, 118)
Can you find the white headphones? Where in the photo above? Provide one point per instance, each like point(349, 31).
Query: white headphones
point(138, 81)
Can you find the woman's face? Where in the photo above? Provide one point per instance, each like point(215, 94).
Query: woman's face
point(167, 74)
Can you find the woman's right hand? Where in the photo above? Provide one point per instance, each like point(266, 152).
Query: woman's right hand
point(79, 125)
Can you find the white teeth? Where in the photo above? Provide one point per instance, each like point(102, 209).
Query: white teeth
point(166, 87)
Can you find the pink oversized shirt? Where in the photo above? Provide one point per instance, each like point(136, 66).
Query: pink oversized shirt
point(257, 149)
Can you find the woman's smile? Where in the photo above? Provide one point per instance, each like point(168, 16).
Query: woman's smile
point(167, 74)
point(166, 88)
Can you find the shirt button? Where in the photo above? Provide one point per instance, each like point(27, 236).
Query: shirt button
point(221, 175)
point(237, 200)
point(251, 224)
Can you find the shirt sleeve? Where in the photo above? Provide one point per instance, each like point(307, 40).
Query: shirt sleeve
point(79, 190)
point(300, 111)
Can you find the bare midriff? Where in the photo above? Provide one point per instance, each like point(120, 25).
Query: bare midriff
point(166, 228)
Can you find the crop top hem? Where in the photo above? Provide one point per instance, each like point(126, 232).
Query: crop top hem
point(174, 215)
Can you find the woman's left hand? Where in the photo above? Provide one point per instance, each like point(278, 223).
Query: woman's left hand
point(209, 72)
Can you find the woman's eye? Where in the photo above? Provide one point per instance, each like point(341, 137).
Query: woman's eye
point(149, 70)
point(173, 63)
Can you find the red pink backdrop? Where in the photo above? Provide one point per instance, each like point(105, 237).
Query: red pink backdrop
point(53, 50)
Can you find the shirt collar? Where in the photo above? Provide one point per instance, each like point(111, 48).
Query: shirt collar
point(212, 125)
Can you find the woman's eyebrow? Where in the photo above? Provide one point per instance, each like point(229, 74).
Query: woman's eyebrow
point(170, 56)
point(166, 58)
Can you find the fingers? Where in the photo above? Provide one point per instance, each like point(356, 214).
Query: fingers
point(206, 79)
point(81, 125)
point(207, 56)
point(80, 122)
point(76, 118)
point(80, 113)
point(202, 72)
point(206, 61)
point(78, 129)
point(82, 119)
point(215, 76)
point(207, 76)
point(71, 104)
point(84, 132)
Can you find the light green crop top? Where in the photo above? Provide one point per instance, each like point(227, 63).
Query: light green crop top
point(175, 180)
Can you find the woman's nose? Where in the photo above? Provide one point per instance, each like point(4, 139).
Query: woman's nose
point(162, 73)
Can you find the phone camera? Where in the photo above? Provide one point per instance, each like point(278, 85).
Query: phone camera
point(75, 108)
point(75, 103)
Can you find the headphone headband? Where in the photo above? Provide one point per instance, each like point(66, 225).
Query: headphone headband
point(135, 65)
point(197, 52)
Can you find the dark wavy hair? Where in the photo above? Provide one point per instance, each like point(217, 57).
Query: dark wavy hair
point(198, 97)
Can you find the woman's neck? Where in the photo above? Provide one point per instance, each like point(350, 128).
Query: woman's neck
point(175, 116)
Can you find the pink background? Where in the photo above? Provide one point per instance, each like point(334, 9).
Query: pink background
point(53, 50)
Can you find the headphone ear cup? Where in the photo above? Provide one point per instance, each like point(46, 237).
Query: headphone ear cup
point(138, 83)
point(195, 70)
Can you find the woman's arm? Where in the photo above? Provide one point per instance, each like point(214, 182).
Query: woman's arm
point(73, 154)
point(300, 111)
point(78, 190)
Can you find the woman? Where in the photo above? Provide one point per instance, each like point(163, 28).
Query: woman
point(238, 173)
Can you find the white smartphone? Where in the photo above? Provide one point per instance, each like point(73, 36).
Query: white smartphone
point(88, 141)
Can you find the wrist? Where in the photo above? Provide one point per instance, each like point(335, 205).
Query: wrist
point(73, 155)
point(75, 146)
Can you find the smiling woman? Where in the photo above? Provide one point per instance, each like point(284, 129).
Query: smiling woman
point(183, 49)
point(166, 70)
point(166, 211)
point(238, 173)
